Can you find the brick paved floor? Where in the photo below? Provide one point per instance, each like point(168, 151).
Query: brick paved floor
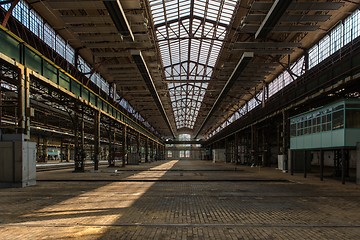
point(180, 200)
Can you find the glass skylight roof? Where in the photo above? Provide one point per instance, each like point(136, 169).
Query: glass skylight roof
point(190, 38)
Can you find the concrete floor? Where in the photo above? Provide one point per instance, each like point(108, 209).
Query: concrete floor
point(180, 200)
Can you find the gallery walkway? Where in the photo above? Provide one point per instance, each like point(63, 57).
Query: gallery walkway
point(180, 200)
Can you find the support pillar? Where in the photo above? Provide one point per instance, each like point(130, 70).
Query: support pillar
point(79, 145)
point(321, 165)
point(138, 151)
point(343, 164)
point(292, 161)
point(124, 145)
point(305, 163)
point(68, 153)
point(97, 140)
point(151, 151)
point(82, 141)
point(61, 150)
point(146, 150)
point(154, 151)
point(38, 149)
point(1, 106)
point(264, 148)
point(358, 163)
point(111, 158)
point(157, 152)
point(236, 149)
point(285, 131)
point(254, 145)
point(17, 152)
point(227, 152)
point(163, 152)
point(23, 88)
point(44, 150)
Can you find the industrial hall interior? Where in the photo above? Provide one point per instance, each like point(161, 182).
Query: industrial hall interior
point(180, 119)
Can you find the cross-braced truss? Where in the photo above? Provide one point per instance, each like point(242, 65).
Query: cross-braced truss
point(190, 35)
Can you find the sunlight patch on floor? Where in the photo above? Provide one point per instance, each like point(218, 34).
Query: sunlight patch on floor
point(102, 206)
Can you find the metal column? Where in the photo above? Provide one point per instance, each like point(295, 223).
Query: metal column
point(124, 145)
point(146, 150)
point(254, 145)
point(343, 159)
point(236, 149)
point(138, 143)
point(23, 104)
point(321, 165)
point(111, 136)
point(79, 148)
point(44, 156)
point(305, 164)
point(227, 152)
point(151, 151)
point(285, 135)
point(97, 140)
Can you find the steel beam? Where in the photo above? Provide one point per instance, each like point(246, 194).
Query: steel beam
point(144, 71)
point(300, 6)
point(242, 64)
point(276, 11)
point(264, 45)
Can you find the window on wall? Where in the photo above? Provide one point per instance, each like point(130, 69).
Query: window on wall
point(49, 36)
point(338, 119)
point(313, 56)
point(36, 24)
point(187, 153)
point(182, 154)
point(287, 78)
point(60, 46)
point(169, 154)
point(342, 34)
point(70, 54)
point(21, 13)
point(336, 36)
point(356, 27)
point(324, 46)
point(184, 137)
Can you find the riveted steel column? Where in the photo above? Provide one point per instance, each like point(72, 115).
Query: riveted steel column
point(321, 165)
point(146, 150)
point(79, 151)
point(97, 140)
point(124, 145)
point(343, 164)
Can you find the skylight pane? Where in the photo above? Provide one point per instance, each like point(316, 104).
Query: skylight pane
point(190, 56)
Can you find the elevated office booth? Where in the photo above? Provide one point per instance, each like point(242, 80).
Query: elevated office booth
point(333, 127)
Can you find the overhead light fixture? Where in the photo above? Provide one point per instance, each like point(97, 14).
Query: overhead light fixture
point(244, 61)
point(144, 71)
point(276, 11)
point(117, 14)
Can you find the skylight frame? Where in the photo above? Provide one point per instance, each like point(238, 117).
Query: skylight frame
point(190, 39)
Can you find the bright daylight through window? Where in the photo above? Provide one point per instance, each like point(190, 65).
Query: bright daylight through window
point(190, 37)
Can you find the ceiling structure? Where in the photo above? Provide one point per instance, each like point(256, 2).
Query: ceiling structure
point(187, 65)
point(190, 35)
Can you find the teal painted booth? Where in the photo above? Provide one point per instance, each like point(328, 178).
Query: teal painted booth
point(335, 125)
